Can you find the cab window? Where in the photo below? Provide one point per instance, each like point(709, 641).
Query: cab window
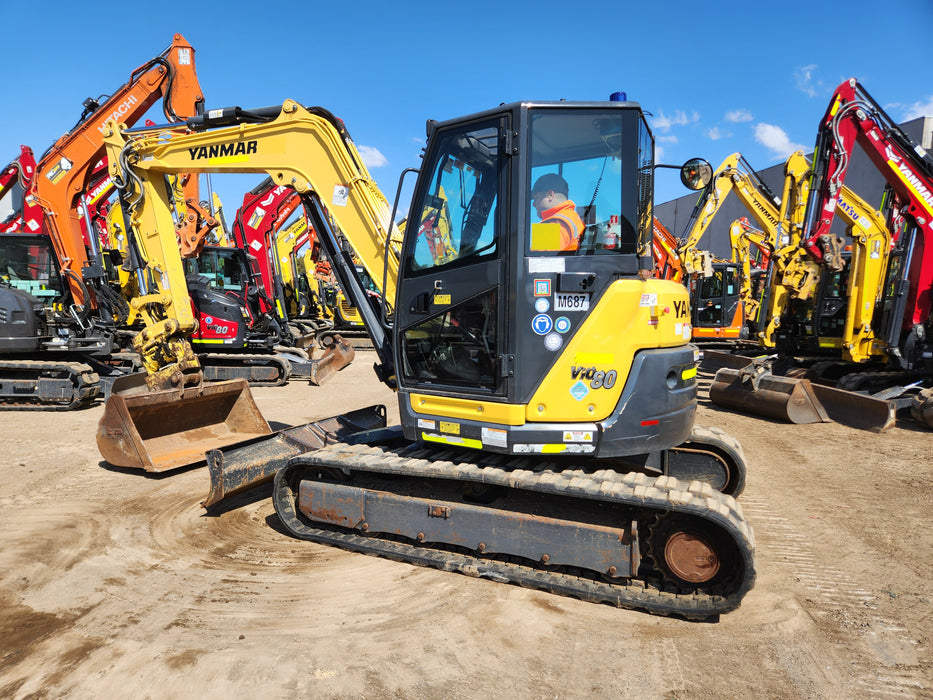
point(575, 178)
point(456, 216)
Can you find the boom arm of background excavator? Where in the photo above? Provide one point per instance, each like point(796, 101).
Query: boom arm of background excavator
point(265, 208)
point(733, 175)
point(667, 262)
point(854, 117)
point(307, 149)
point(63, 172)
point(26, 214)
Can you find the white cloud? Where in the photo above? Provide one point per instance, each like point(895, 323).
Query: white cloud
point(680, 118)
point(372, 157)
point(737, 116)
point(919, 109)
point(776, 140)
point(715, 134)
point(804, 78)
point(670, 138)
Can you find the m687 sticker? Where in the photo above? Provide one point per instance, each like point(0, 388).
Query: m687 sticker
point(597, 378)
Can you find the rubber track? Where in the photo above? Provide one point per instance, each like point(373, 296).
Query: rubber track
point(85, 382)
point(662, 495)
point(285, 369)
point(730, 450)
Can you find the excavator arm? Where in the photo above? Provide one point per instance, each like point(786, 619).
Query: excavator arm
point(265, 208)
point(743, 237)
point(63, 172)
point(853, 117)
point(667, 262)
point(26, 214)
point(306, 149)
point(733, 175)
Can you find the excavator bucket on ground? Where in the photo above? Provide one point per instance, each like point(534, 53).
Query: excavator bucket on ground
point(797, 400)
point(857, 410)
point(783, 398)
point(245, 466)
point(162, 430)
point(337, 355)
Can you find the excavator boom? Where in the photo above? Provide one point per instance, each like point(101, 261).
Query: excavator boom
point(63, 172)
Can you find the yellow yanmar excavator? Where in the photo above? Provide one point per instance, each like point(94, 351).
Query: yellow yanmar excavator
point(721, 289)
point(547, 397)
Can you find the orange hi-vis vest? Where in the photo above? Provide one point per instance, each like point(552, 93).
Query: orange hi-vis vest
point(571, 225)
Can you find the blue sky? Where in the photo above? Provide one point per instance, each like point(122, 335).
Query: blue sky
point(715, 77)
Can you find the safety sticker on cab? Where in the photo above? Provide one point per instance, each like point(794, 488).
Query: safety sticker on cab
point(649, 300)
point(579, 391)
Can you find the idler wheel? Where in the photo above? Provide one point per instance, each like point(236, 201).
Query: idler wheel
point(691, 557)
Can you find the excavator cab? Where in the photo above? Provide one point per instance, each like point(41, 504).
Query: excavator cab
point(536, 332)
point(717, 305)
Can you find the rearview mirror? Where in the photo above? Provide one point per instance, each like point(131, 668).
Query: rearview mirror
point(696, 174)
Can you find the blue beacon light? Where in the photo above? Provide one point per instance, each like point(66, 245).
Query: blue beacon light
point(618, 97)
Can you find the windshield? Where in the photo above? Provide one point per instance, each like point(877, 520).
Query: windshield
point(27, 263)
point(221, 268)
point(576, 176)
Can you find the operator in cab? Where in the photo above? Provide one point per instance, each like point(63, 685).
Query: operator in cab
point(550, 197)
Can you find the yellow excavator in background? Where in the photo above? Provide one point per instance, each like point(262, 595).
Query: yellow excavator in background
point(720, 289)
point(822, 311)
point(797, 278)
point(547, 397)
point(780, 219)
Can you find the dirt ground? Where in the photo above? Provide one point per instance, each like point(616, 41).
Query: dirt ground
point(115, 583)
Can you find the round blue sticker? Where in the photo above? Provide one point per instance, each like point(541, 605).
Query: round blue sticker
point(541, 324)
point(562, 324)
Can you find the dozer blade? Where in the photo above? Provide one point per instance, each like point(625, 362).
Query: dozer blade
point(857, 410)
point(161, 430)
point(783, 398)
point(245, 466)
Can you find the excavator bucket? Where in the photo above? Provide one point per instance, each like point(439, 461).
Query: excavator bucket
point(162, 430)
point(783, 398)
point(713, 360)
point(797, 400)
point(317, 370)
point(857, 410)
point(336, 356)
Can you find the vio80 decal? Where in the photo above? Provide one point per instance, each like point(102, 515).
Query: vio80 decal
point(597, 378)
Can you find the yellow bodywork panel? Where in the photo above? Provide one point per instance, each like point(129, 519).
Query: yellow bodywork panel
point(632, 315)
point(468, 409)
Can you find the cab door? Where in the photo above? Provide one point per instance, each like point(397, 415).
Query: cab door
point(450, 318)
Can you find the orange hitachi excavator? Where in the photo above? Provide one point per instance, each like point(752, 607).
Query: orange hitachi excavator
point(44, 363)
point(63, 173)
